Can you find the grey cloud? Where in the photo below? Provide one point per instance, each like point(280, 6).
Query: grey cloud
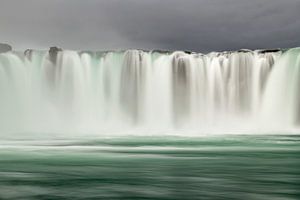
point(198, 25)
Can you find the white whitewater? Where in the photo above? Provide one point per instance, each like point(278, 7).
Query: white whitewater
point(68, 91)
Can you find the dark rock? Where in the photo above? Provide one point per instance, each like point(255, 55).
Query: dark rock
point(53, 51)
point(161, 51)
point(5, 48)
point(28, 53)
point(269, 50)
point(188, 52)
point(244, 50)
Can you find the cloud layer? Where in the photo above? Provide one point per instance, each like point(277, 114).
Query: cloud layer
point(197, 25)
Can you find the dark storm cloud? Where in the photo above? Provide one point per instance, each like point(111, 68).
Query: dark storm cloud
point(198, 25)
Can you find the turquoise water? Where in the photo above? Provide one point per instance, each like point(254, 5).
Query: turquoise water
point(218, 167)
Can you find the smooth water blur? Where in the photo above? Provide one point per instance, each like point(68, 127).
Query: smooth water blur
point(118, 91)
point(216, 167)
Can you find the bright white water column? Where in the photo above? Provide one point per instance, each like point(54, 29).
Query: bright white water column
point(134, 90)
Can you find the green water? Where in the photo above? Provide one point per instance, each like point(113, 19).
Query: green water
point(219, 167)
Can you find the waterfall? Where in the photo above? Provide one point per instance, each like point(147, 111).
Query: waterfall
point(102, 92)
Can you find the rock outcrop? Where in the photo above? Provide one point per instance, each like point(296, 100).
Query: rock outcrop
point(53, 51)
point(5, 48)
point(269, 50)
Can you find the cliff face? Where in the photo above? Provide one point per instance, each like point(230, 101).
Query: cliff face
point(5, 48)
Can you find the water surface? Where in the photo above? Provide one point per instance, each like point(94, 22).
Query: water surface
point(217, 167)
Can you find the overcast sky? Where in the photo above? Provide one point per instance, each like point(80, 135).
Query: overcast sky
point(197, 25)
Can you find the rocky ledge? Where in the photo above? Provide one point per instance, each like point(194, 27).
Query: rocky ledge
point(5, 48)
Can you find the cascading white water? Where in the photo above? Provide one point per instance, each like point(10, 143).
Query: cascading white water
point(67, 91)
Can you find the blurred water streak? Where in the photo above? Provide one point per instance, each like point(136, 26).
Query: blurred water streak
point(219, 167)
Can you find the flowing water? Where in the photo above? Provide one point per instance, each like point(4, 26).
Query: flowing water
point(150, 125)
point(96, 92)
point(216, 167)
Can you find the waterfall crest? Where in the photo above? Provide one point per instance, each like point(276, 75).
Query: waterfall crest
point(68, 91)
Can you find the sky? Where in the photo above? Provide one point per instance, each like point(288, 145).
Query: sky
point(194, 25)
